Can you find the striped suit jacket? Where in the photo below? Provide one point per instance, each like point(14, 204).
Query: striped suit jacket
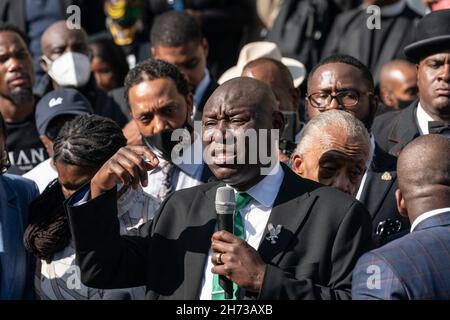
point(414, 267)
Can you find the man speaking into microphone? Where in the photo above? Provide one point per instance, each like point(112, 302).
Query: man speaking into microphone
point(293, 238)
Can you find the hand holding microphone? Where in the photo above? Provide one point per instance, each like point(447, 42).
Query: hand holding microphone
point(225, 204)
point(234, 259)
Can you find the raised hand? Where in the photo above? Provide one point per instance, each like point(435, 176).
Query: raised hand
point(128, 166)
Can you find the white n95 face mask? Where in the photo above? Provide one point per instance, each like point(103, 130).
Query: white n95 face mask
point(72, 69)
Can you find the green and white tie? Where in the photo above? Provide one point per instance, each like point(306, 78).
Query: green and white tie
point(242, 199)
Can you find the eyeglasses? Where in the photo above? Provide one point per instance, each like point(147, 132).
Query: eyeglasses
point(4, 162)
point(345, 98)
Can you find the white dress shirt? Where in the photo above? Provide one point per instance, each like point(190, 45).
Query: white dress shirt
point(422, 120)
point(42, 174)
point(255, 216)
point(368, 164)
point(186, 174)
point(428, 215)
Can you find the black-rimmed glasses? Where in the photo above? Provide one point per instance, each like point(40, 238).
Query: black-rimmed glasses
point(345, 98)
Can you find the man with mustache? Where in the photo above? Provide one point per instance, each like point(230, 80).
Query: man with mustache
point(344, 83)
point(431, 113)
point(177, 39)
point(17, 101)
point(293, 238)
point(161, 103)
point(334, 150)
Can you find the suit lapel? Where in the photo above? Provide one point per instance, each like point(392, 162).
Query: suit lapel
point(290, 209)
point(404, 130)
point(380, 177)
point(376, 188)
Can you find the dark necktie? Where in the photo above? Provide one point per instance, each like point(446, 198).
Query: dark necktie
point(436, 127)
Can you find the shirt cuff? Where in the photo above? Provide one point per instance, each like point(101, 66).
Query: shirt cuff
point(81, 197)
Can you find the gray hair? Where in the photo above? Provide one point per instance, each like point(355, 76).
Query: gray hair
point(336, 119)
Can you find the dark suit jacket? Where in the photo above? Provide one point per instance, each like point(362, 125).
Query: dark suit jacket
point(208, 92)
point(350, 35)
point(394, 130)
point(16, 265)
point(324, 233)
point(414, 267)
point(379, 198)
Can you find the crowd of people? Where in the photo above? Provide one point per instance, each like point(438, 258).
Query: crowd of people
point(329, 123)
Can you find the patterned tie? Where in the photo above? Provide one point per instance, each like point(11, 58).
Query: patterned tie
point(242, 199)
point(166, 185)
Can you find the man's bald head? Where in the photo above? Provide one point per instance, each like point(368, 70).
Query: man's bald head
point(423, 170)
point(334, 149)
point(244, 91)
point(58, 38)
point(236, 147)
point(398, 83)
point(270, 68)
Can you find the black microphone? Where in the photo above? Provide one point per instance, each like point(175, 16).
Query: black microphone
point(225, 204)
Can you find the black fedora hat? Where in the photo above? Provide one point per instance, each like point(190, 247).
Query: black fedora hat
point(432, 35)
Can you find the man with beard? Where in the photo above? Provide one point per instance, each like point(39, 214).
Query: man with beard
point(17, 102)
point(431, 113)
point(160, 103)
point(343, 82)
point(316, 233)
point(177, 39)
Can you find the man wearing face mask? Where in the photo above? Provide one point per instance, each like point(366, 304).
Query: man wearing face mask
point(279, 78)
point(160, 102)
point(398, 84)
point(65, 59)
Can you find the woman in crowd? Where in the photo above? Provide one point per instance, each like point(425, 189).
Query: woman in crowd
point(109, 64)
point(82, 147)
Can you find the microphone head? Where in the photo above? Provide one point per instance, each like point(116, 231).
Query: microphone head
point(225, 202)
